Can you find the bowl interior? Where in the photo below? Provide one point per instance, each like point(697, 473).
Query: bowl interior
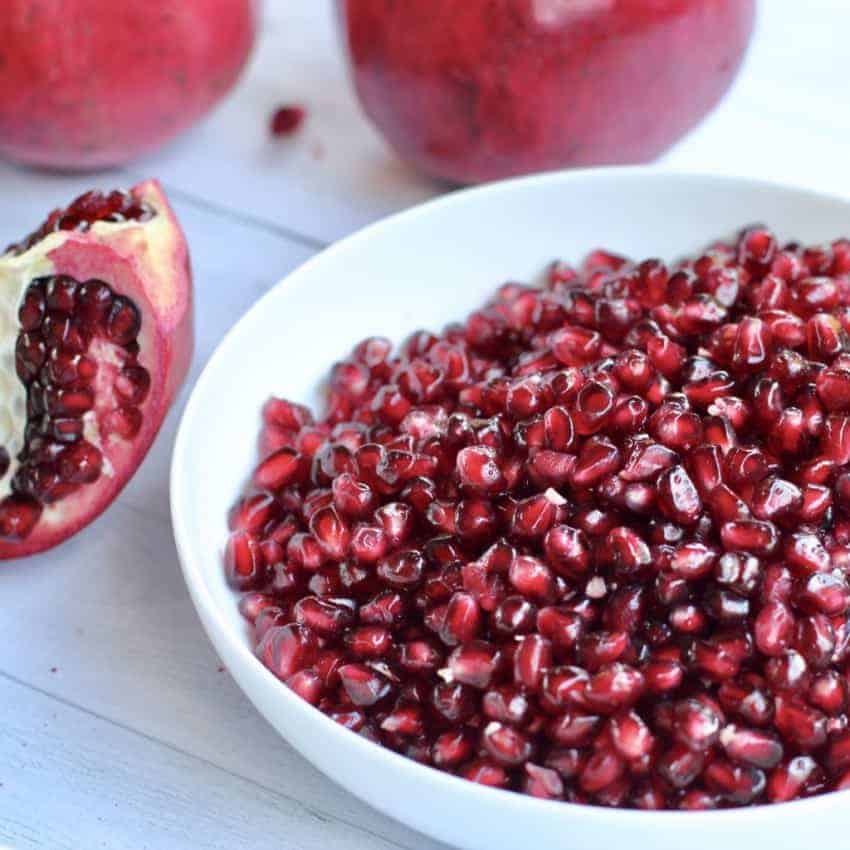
point(422, 269)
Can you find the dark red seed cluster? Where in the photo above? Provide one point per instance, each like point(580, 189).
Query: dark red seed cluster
point(115, 206)
point(592, 544)
point(77, 355)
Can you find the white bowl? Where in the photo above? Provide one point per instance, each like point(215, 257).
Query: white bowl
point(423, 268)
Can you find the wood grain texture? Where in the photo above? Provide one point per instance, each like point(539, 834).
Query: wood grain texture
point(73, 780)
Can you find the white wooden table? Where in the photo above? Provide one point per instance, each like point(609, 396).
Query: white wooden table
point(118, 727)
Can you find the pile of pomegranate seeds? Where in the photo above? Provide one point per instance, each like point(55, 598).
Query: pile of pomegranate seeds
point(116, 206)
point(61, 320)
point(591, 544)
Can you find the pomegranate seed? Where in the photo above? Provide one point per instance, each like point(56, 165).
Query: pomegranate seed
point(602, 769)
point(308, 685)
point(477, 469)
point(614, 687)
point(789, 780)
point(532, 578)
point(696, 724)
point(802, 726)
point(630, 736)
point(402, 569)
point(485, 772)
point(735, 783)
point(452, 748)
point(462, 621)
point(287, 650)
point(286, 120)
point(751, 747)
point(506, 745)
point(532, 658)
point(474, 663)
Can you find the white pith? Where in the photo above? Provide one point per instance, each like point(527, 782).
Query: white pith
point(16, 273)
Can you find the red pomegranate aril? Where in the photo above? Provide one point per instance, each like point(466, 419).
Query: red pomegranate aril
point(364, 685)
point(629, 735)
point(614, 687)
point(303, 551)
point(562, 627)
point(735, 783)
point(573, 728)
point(278, 470)
point(353, 498)
point(269, 618)
point(251, 605)
point(532, 658)
point(385, 609)
point(402, 569)
point(452, 748)
point(601, 770)
point(805, 554)
point(505, 744)
point(753, 536)
point(486, 772)
point(532, 579)
point(802, 726)
point(828, 692)
point(824, 592)
point(774, 628)
point(474, 663)
point(477, 468)
point(288, 649)
point(507, 704)
point(453, 701)
point(567, 550)
point(368, 544)
point(308, 685)
point(542, 782)
point(600, 648)
point(244, 561)
point(514, 615)
point(663, 676)
point(678, 497)
point(419, 657)
point(789, 780)
point(462, 620)
point(598, 458)
point(324, 616)
point(534, 516)
point(751, 747)
point(696, 724)
point(330, 532)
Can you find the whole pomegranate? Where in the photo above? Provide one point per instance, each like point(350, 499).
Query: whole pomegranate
point(95, 340)
point(491, 88)
point(94, 83)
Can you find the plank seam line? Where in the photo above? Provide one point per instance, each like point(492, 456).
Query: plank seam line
point(239, 216)
point(319, 814)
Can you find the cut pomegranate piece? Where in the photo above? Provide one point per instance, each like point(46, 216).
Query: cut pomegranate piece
point(591, 545)
point(97, 337)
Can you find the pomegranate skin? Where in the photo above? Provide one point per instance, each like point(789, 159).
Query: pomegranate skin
point(148, 263)
point(487, 89)
point(89, 84)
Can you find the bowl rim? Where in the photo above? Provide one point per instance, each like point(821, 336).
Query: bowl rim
point(516, 804)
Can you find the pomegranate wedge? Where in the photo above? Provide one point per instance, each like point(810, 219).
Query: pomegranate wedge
point(95, 339)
